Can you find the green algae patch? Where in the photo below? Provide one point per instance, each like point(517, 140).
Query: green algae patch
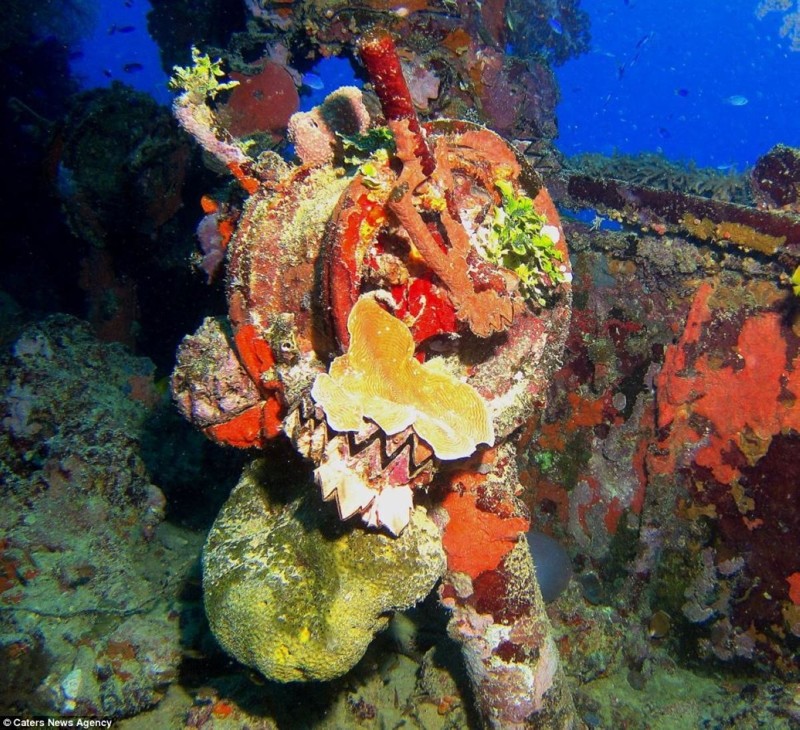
point(299, 597)
point(675, 699)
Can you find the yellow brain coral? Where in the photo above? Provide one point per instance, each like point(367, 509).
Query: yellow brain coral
point(379, 379)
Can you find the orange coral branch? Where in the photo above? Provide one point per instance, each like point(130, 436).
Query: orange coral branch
point(485, 312)
point(386, 74)
point(248, 182)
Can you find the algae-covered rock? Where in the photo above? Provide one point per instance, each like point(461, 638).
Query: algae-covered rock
point(91, 572)
point(293, 593)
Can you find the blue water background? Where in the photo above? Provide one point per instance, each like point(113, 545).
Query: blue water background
point(673, 92)
point(661, 77)
point(102, 56)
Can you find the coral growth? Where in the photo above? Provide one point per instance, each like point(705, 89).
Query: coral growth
point(521, 241)
point(655, 170)
point(377, 51)
point(304, 600)
point(497, 530)
point(775, 179)
point(727, 405)
point(498, 613)
point(375, 262)
point(379, 379)
point(82, 529)
point(456, 56)
point(790, 26)
point(318, 135)
point(261, 102)
point(198, 85)
point(665, 211)
point(744, 401)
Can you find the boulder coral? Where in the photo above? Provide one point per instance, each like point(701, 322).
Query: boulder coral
point(299, 597)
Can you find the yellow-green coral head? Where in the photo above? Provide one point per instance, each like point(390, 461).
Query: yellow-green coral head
point(379, 379)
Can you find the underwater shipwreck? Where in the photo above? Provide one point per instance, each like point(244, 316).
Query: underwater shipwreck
point(450, 454)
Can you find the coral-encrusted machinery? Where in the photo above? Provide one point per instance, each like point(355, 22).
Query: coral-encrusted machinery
point(397, 304)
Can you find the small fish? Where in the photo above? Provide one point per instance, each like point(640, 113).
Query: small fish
point(76, 55)
point(736, 100)
point(128, 3)
point(121, 29)
point(555, 26)
point(682, 92)
point(312, 81)
point(643, 40)
point(193, 653)
point(130, 68)
point(107, 73)
point(256, 678)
